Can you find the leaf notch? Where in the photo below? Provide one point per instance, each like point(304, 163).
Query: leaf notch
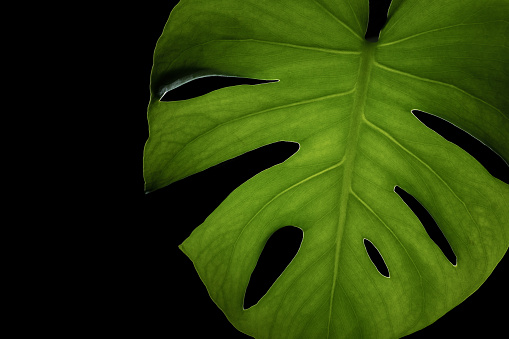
point(185, 89)
point(279, 251)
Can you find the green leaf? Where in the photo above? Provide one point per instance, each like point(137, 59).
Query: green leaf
point(348, 103)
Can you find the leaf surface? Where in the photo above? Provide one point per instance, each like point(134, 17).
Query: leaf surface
point(348, 103)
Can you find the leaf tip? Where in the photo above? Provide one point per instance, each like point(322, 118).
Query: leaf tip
point(181, 247)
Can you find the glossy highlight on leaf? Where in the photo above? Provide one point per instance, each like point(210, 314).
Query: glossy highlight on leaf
point(348, 103)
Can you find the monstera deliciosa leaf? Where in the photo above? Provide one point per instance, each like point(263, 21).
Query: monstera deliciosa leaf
point(348, 103)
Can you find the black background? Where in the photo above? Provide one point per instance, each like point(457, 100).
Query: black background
point(158, 292)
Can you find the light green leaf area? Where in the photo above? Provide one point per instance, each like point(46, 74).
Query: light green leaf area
point(348, 103)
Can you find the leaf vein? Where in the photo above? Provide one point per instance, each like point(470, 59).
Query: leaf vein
point(435, 30)
point(338, 20)
point(199, 136)
point(296, 279)
point(440, 83)
point(271, 200)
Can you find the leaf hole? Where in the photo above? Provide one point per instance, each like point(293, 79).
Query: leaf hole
point(429, 224)
point(279, 251)
point(493, 163)
point(376, 258)
point(205, 84)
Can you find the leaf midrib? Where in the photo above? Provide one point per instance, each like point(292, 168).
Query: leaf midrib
point(361, 89)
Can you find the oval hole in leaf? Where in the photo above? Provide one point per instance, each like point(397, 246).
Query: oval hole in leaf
point(429, 224)
point(194, 198)
point(493, 163)
point(277, 254)
point(206, 84)
point(376, 258)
